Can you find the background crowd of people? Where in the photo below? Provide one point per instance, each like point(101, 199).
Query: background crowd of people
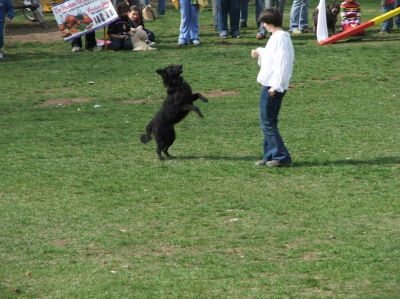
point(236, 11)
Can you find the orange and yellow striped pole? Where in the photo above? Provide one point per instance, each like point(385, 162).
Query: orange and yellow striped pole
point(353, 31)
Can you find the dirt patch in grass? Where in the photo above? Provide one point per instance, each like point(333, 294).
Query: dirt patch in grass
point(221, 93)
point(310, 256)
point(32, 32)
point(63, 102)
point(60, 242)
point(1, 194)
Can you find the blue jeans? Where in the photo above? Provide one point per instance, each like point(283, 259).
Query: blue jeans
point(161, 7)
point(189, 29)
point(388, 24)
point(244, 11)
point(260, 5)
point(299, 15)
point(274, 147)
point(231, 7)
point(278, 4)
point(2, 28)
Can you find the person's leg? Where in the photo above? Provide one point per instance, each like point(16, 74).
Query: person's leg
point(215, 14)
point(115, 45)
point(222, 11)
point(2, 28)
point(127, 44)
point(303, 21)
point(161, 7)
point(150, 35)
point(388, 24)
point(194, 23)
point(260, 4)
point(281, 6)
point(295, 15)
point(234, 17)
point(90, 40)
point(146, 2)
point(397, 18)
point(274, 147)
point(244, 12)
point(77, 42)
point(184, 32)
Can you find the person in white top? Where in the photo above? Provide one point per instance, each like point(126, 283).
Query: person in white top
point(276, 67)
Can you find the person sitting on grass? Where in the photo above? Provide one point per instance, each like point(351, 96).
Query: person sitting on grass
point(6, 16)
point(137, 20)
point(350, 12)
point(119, 31)
point(276, 67)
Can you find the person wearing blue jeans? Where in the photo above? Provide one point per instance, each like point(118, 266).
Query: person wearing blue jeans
point(388, 5)
point(6, 15)
point(244, 12)
point(273, 145)
point(278, 4)
point(299, 16)
point(231, 7)
point(276, 67)
point(189, 29)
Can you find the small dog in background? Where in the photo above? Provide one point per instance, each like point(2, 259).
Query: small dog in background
point(332, 12)
point(140, 40)
point(177, 104)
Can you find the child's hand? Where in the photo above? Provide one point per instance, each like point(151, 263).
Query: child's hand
point(254, 54)
point(272, 92)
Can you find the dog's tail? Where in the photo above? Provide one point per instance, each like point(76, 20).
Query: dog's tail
point(145, 138)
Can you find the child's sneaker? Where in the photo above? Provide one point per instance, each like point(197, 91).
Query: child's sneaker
point(196, 42)
point(76, 49)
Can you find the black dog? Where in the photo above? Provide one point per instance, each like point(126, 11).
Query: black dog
point(332, 11)
point(177, 104)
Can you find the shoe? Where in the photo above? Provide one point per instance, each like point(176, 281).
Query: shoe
point(76, 49)
point(236, 36)
point(384, 32)
point(277, 163)
point(196, 42)
point(223, 34)
point(296, 31)
point(260, 35)
point(306, 30)
point(261, 163)
point(182, 44)
point(150, 43)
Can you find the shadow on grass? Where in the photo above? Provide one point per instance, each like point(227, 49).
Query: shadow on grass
point(371, 162)
point(374, 161)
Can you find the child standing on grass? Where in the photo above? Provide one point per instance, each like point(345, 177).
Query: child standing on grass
point(6, 15)
point(276, 67)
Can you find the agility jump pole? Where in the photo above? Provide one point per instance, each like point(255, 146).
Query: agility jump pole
point(353, 31)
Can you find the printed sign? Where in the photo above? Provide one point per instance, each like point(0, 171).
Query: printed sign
point(78, 17)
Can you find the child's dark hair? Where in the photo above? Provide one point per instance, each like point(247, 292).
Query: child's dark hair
point(122, 8)
point(134, 8)
point(271, 16)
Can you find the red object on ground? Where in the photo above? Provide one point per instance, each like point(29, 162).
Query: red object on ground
point(349, 32)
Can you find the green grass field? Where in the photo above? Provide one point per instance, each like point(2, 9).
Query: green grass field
point(87, 211)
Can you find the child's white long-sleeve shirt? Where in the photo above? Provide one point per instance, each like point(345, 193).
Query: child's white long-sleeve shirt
point(276, 61)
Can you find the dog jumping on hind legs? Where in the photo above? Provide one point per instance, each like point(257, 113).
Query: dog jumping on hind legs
point(177, 104)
